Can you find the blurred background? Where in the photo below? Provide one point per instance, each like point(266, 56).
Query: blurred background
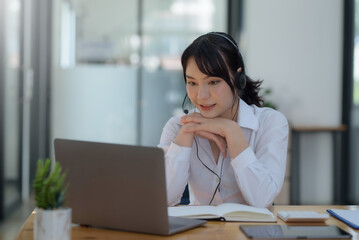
point(110, 71)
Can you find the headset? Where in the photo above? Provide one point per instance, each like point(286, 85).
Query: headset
point(240, 76)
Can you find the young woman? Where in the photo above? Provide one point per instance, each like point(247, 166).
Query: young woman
point(228, 148)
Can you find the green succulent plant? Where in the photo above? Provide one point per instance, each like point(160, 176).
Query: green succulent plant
point(268, 103)
point(49, 186)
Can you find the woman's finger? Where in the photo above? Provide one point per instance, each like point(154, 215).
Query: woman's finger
point(207, 126)
point(192, 127)
point(193, 118)
point(219, 141)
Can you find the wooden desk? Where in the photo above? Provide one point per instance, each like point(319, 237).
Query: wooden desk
point(212, 230)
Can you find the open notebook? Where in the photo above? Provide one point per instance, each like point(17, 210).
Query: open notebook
point(224, 211)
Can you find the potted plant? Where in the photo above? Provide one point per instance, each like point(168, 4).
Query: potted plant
point(52, 219)
point(268, 103)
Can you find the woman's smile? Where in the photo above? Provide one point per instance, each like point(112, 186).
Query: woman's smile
point(207, 107)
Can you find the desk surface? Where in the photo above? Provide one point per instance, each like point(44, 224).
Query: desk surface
point(212, 230)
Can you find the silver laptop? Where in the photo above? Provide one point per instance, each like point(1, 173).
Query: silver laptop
point(118, 187)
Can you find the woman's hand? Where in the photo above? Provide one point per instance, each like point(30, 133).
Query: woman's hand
point(185, 137)
point(212, 125)
point(195, 123)
point(216, 129)
point(220, 141)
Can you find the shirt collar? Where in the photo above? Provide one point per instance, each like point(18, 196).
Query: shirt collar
point(246, 116)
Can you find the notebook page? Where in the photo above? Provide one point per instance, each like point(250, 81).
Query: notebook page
point(350, 217)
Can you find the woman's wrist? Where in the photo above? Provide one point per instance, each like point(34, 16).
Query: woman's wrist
point(229, 127)
point(235, 139)
point(184, 139)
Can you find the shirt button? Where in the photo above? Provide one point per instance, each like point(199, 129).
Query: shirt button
point(217, 180)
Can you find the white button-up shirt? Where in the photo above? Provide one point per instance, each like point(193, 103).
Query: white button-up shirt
point(254, 177)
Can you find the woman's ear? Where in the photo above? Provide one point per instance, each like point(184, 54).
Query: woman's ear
point(240, 79)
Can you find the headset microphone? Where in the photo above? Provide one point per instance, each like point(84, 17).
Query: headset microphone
point(183, 109)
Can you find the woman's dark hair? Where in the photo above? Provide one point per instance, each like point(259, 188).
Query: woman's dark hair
point(216, 54)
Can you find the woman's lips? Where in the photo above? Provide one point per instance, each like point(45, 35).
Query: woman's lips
point(207, 107)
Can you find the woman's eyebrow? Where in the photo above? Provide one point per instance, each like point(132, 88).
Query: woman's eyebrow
point(206, 77)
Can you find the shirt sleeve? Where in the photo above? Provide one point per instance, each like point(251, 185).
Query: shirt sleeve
point(176, 162)
point(260, 171)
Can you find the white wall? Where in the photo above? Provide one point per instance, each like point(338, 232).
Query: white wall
point(296, 48)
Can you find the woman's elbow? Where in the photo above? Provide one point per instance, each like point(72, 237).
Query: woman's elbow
point(264, 200)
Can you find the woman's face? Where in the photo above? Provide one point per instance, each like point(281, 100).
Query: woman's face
point(210, 95)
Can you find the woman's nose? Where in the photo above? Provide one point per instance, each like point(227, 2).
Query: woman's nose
point(203, 92)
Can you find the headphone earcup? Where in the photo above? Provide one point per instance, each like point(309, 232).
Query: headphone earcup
point(240, 80)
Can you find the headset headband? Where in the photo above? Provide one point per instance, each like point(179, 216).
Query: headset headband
point(229, 40)
point(242, 79)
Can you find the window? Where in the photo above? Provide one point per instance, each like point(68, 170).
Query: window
point(356, 55)
point(117, 72)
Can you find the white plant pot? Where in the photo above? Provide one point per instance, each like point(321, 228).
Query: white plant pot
point(52, 224)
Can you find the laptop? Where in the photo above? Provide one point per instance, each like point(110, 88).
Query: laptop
point(118, 187)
